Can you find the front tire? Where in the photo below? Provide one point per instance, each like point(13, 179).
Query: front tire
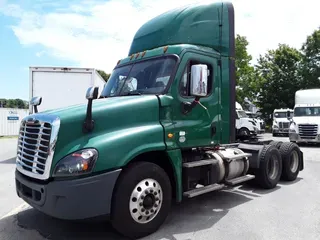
point(142, 200)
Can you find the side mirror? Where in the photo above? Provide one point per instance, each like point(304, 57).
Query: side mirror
point(35, 101)
point(199, 80)
point(92, 93)
point(288, 114)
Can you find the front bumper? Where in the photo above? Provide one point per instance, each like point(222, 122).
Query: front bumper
point(295, 137)
point(281, 130)
point(70, 199)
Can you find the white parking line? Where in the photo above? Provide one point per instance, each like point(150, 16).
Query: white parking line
point(16, 210)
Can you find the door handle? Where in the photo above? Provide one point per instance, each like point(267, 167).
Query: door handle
point(213, 129)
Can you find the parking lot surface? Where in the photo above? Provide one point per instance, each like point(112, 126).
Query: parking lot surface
point(290, 211)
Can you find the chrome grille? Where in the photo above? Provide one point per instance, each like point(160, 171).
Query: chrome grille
point(308, 131)
point(33, 146)
point(284, 125)
point(36, 144)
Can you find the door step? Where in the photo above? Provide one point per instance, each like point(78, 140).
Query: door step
point(198, 191)
point(238, 180)
point(237, 156)
point(199, 163)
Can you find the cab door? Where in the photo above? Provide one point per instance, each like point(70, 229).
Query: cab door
point(201, 125)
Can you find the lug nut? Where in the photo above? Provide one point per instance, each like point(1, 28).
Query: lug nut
point(142, 210)
point(151, 190)
point(146, 192)
point(147, 212)
point(142, 197)
point(140, 204)
point(156, 205)
point(155, 193)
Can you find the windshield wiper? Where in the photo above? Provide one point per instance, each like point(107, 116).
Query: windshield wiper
point(131, 93)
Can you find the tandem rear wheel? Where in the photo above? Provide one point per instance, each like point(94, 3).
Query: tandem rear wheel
point(269, 172)
point(142, 200)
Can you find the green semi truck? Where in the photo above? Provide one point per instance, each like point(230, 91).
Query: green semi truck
point(162, 130)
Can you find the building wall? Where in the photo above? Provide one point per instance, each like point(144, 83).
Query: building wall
point(10, 119)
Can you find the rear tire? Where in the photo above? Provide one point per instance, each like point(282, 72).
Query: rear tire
point(142, 200)
point(290, 154)
point(269, 172)
point(276, 143)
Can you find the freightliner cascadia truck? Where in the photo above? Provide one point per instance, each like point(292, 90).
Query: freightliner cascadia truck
point(162, 130)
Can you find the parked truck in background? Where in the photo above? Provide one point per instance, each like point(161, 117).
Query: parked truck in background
point(61, 86)
point(281, 123)
point(260, 122)
point(246, 127)
point(163, 131)
point(305, 123)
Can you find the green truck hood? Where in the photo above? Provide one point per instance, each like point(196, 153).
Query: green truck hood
point(123, 128)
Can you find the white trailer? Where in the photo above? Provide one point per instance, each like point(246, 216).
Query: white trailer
point(305, 124)
point(62, 86)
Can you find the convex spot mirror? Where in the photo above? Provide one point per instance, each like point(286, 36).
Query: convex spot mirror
point(199, 80)
point(92, 93)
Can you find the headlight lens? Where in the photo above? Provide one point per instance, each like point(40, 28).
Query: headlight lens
point(77, 163)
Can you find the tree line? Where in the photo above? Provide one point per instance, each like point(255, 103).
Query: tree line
point(278, 74)
point(13, 103)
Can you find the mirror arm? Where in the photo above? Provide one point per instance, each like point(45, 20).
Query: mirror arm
point(88, 124)
point(35, 108)
point(187, 106)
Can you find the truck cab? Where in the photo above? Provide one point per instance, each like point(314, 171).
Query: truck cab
point(260, 122)
point(281, 123)
point(162, 130)
point(305, 122)
point(246, 126)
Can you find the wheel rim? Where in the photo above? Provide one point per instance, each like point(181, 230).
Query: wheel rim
point(145, 201)
point(294, 161)
point(273, 166)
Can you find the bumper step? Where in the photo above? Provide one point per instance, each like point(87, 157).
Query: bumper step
point(238, 180)
point(198, 191)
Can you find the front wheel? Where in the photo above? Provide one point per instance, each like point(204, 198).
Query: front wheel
point(142, 200)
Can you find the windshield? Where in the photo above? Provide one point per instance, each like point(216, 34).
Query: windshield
point(250, 115)
point(242, 114)
point(306, 111)
point(282, 114)
point(147, 77)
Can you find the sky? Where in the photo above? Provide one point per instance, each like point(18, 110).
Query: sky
point(97, 33)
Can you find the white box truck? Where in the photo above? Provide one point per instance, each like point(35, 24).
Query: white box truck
point(305, 124)
point(62, 86)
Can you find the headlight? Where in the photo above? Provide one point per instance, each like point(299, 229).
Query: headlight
point(77, 163)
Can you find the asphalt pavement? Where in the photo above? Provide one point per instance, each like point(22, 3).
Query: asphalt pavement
point(290, 211)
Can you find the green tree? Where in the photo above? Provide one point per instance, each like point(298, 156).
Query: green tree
point(278, 78)
point(104, 75)
point(245, 72)
point(311, 60)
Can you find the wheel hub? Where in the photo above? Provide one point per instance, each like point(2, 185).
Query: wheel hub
point(145, 201)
